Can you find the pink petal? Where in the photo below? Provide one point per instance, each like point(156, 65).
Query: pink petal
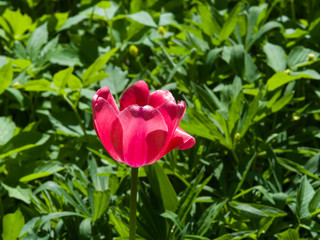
point(159, 97)
point(172, 114)
point(105, 112)
point(105, 93)
point(144, 135)
point(180, 140)
point(138, 94)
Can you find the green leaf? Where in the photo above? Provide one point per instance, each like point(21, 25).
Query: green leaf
point(38, 38)
point(276, 57)
point(22, 142)
point(15, 23)
point(37, 86)
point(299, 56)
point(190, 194)
point(208, 216)
point(315, 202)
point(308, 73)
point(116, 81)
point(162, 187)
point(279, 79)
point(6, 75)
point(265, 28)
point(7, 128)
point(89, 76)
point(295, 167)
point(61, 78)
point(209, 24)
point(12, 224)
point(85, 229)
point(143, 18)
point(19, 193)
point(283, 101)
point(43, 170)
point(304, 197)
point(238, 235)
point(72, 21)
point(290, 234)
point(101, 202)
point(230, 24)
point(247, 210)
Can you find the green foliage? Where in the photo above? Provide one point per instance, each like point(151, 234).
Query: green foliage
point(249, 73)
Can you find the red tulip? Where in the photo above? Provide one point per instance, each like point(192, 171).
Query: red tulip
point(146, 127)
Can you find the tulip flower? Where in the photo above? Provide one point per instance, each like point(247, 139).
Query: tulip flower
point(144, 129)
point(141, 132)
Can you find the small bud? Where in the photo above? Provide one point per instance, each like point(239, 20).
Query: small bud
point(287, 71)
point(161, 30)
point(133, 50)
point(311, 56)
point(16, 84)
point(295, 118)
point(236, 138)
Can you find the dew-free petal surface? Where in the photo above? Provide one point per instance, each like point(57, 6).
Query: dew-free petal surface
point(105, 93)
point(159, 97)
point(138, 93)
point(103, 115)
point(144, 135)
point(180, 140)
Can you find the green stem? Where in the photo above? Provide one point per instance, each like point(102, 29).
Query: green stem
point(133, 202)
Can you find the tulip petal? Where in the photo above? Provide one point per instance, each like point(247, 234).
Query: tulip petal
point(138, 94)
point(144, 133)
point(104, 113)
point(172, 114)
point(105, 94)
point(180, 140)
point(159, 97)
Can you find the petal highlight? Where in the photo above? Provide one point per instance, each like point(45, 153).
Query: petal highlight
point(159, 97)
point(144, 132)
point(137, 93)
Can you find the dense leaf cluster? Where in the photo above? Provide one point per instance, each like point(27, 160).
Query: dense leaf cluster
point(249, 73)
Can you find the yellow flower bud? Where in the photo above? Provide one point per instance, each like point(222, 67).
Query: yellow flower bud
point(287, 71)
point(161, 30)
point(295, 118)
point(133, 50)
point(16, 84)
point(236, 138)
point(311, 56)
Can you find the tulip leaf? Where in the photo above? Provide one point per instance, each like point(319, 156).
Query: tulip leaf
point(12, 224)
point(162, 187)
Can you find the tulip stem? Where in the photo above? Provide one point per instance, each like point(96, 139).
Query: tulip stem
point(133, 202)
